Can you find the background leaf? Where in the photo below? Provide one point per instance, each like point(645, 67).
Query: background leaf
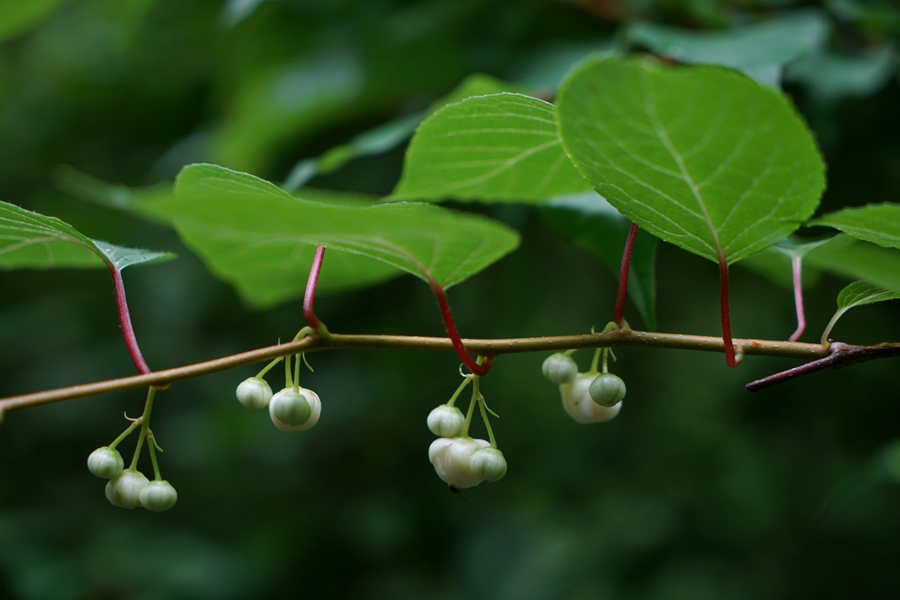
point(388, 135)
point(876, 223)
point(701, 157)
point(17, 16)
point(503, 146)
point(32, 240)
point(237, 222)
point(759, 50)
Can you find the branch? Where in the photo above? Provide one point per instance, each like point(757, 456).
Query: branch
point(839, 355)
point(488, 348)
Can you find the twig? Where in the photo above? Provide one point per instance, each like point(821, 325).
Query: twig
point(839, 355)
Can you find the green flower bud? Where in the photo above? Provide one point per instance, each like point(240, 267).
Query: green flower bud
point(158, 496)
point(452, 460)
point(559, 368)
point(446, 421)
point(254, 393)
point(489, 464)
point(125, 489)
point(295, 410)
point(577, 401)
point(607, 389)
point(105, 462)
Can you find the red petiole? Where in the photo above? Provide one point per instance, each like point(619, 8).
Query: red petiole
point(125, 321)
point(619, 315)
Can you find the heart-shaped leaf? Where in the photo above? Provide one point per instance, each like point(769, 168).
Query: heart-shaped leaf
point(701, 157)
point(497, 147)
point(242, 225)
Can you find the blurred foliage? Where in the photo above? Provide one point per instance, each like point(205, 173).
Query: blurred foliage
point(697, 490)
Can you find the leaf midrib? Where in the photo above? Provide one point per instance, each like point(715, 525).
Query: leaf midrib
point(663, 135)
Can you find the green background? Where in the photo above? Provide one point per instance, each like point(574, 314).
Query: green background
point(697, 490)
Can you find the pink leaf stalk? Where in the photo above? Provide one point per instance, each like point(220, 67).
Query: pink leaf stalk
point(619, 315)
point(309, 297)
point(125, 321)
point(798, 299)
point(730, 358)
point(461, 351)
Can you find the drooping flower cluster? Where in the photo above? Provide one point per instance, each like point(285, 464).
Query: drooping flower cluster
point(590, 397)
point(459, 460)
point(294, 408)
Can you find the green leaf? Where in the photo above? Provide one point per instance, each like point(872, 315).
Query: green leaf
point(856, 294)
point(853, 259)
point(776, 262)
point(388, 135)
point(759, 50)
point(876, 223)
point(242, 225)
point(840, 255)
point(30, 240)
point(498, 147)
point(701, 157)
point(860, 293)
point(587, 220)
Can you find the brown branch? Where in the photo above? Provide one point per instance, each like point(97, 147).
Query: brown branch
point(487, 348)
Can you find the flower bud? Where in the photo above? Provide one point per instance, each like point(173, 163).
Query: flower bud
point(105, 462)
point(452, 460)
point(577, 401)
point(125, 489)
point(607, 389)
point(559, 368)
point(295, 410)
point(446, 421)
point(158, 496)
point(254, 393)
point(489, 464)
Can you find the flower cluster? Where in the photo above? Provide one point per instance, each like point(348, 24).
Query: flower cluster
point(459, 460)
point(292, 409)
point(590, 397)
point(129, 488)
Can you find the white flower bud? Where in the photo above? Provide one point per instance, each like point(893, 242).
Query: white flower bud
point(577, 401)
point(158, 496)
point(293, 411)
point(559, 368)
point(254, 393)
point(105, 462)
point(452, 458)
point(446, 421)
point(125, 489)
point(489, 464)
point(607, 389)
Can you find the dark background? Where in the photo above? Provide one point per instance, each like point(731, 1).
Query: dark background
point(697, 490)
